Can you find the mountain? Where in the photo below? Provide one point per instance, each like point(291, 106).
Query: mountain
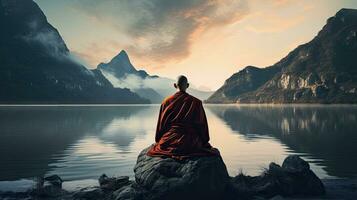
point(120, 66)
point(323, 70)
point(121, 73)
point(247, 80)
point(37, 67)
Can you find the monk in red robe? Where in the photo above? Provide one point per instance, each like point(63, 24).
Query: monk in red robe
point(182, 129)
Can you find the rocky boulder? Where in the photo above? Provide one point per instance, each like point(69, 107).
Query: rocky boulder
point(112, 183)
point(294, 164)
point(54, 180)
point(294, 178)
point(89, 193)
point(195, 178)
point(298, 178)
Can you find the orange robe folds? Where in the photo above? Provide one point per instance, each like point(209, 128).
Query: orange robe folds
point(182, 129)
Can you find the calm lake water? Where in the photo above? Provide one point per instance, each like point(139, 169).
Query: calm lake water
point(79, 143)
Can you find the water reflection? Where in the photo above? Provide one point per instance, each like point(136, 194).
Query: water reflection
point(112, 150)
point(32, 139)
point(327, 134)
point(80, 143)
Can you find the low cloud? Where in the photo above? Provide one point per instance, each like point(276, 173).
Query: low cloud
point(48, 38)
point(134, 82)
point(53, 44)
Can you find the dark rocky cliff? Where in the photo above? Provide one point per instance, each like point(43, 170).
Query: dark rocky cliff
point(323, 70)
point(37, 67)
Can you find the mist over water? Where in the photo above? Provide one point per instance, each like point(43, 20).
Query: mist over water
point(82, 142)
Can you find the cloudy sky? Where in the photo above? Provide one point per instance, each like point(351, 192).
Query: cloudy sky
point(207, 40)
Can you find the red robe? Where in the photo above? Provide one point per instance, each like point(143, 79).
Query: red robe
point(182, 129)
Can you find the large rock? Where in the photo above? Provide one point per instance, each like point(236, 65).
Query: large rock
point(195, 178)
point(130, 192)
point(50, 187)
point(295, 164)
point(54, 180)
point(293, 178)
point(112, 183)
point(298, 178)
point(89, 193)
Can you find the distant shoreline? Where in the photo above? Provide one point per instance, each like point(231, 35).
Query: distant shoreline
point(336, 188)
point(70, 105)
point(207, 104)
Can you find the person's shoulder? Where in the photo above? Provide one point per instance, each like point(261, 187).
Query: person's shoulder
point(187, 97)
point(167, 99)
point(195, 99)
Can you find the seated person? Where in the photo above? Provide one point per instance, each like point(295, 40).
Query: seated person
point(182, 129)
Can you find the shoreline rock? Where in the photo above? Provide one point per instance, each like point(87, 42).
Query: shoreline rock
point(196, 178)
point(294, 178)
point(112, 183)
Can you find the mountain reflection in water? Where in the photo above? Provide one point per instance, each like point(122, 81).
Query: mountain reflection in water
point(326, 134)
point(82, 142)
point(77, 142)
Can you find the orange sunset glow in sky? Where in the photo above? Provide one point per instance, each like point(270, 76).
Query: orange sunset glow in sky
point(207, 40)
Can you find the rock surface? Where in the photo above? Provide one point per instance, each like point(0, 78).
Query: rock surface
point(112, 183)
point(196, 178)
point(167, 178)
point(89, 193)
point(132, 192)
point(294, 164)
point(293, 178)
point(54, 180)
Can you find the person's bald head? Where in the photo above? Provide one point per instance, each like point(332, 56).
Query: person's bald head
point(181, 83)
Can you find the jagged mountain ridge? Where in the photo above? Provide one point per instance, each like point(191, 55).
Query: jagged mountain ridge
point(323, 70)
point(121, 73)
point(248, 79)
point(37, 67)
point(120, 65)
